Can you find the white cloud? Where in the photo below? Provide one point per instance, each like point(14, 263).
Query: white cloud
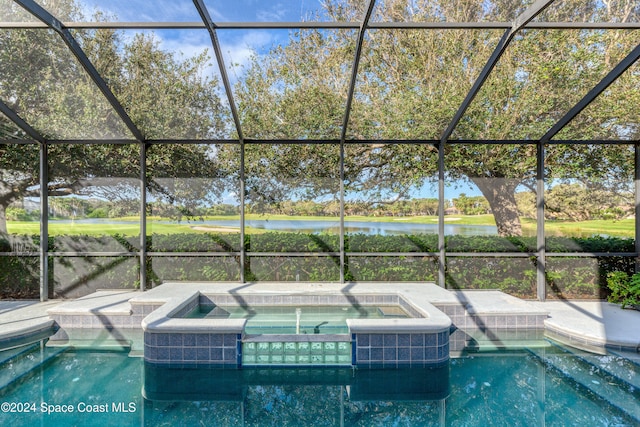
point(185, 43)
point(277, 12)
point(220, 11)
point(238, 48)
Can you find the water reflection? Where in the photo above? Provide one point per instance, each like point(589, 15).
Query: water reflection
point(201, 383)
point(321, 226)
point(300, 396)
point(364, 227)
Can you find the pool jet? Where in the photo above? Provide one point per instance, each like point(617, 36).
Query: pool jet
point(316, 329)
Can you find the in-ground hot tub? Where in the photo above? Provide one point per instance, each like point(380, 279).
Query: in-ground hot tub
point(296, 319)
point(381, 328)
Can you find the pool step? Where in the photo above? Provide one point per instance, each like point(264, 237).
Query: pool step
point(492, 345)
point(617, 391)
point(23, 362)
point(136, 352)
point(614, 365)
point(7, 355)
point(89, 344)
point(473, 341)
point(631, 357)
point(99, 339)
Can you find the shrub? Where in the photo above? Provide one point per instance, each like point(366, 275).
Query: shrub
point(99, 213)
point(625, 289)
point(18, 214)
point(212, 256)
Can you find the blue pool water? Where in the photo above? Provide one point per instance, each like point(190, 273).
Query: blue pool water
point(321, 319)
point(529, 387)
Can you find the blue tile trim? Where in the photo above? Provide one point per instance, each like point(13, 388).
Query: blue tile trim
point(376, 340)
point(353, 350)
point(367, 350)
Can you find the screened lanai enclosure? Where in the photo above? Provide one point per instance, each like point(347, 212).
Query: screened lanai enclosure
point(476, 144)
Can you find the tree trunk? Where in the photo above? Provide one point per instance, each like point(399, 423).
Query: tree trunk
point(3, 220)
point(501, 195)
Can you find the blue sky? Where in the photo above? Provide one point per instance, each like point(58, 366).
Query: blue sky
point(237, 46)
point(220, 11)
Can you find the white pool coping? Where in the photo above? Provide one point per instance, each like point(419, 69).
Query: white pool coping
point(175, 296)
point(102, 302)
point(595, 322)
point(19, 319)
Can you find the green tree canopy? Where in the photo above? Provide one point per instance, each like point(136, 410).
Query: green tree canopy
point(409, 85)
point(166, 96)
point(411, 82)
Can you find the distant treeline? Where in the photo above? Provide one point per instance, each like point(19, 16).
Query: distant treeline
point(562, 202)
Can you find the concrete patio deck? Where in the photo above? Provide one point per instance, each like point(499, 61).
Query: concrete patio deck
point(597, 323)
point(24, 318)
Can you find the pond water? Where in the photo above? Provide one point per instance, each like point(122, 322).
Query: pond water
point(370, 228)
point(526, 387)
point(321, 226)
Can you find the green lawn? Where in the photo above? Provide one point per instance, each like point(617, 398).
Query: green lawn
point(132, 229)
point(622, 228)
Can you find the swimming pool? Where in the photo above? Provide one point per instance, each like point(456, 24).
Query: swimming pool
point(548, 385)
